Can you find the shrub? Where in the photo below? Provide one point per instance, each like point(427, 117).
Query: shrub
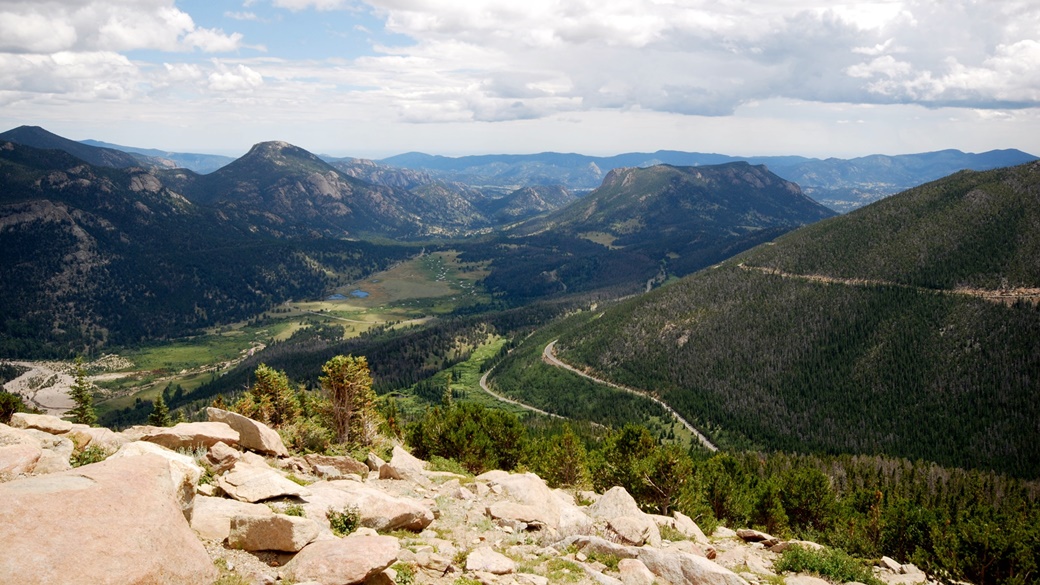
point(478, 438)
point(829, 563)
point(91, 454)
point(344, 521)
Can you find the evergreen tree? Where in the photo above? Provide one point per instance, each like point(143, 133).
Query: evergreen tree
point(347, 382)
point(83, 412)
point(160, 416)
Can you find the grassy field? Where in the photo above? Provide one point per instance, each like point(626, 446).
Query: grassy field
point(408, 293)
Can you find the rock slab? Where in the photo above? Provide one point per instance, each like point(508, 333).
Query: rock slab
point(252, 435)
point(110, 523)
point(343, 561)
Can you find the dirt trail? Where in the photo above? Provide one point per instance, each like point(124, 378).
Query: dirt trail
point(549, 354)
point(1006, 296)
point(44, 385)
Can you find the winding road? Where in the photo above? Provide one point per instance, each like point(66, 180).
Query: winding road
point(485, 388)
point(549, 353)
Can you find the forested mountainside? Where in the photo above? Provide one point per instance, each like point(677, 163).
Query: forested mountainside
point(198, 162)
point(854, 335)
point(96, 256)
point(37, 137)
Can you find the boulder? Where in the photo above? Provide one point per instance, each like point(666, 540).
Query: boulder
point(346, 465)
point(185, 473)
point(275, 532)
point(252, 435)
point(632, 530)
point(616, 503)
point(634, 572)
point(688, 528)
point(378, 510)
point(342, 561)
point(114, 522)
point(804, 580)
point(190, 435)
point(55, 454)
point(529, 489)
point(211, 518)
point(723, 532)
point(41, 422)
point(221, 457)
point(891, 564)
point(681, 568)
point(19, 452)
point(85, 436)
point(782, 546)
point(486, 560)
point(513, 514)
point(254, 483)
point(374, 462)
point(406, 463)
point(748, 535)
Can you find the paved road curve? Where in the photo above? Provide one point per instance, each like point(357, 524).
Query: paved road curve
point(549, 353)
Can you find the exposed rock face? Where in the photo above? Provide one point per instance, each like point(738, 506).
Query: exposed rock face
point(254, 483)
point(114, 522)
point(253, 435)
point(405, 462)
point(189, 435)
point(222, 458)
point(19, 452)
point(625, 518)
point(515, 515)
point(40, 422)
point(634, 572)
point(486, 560)
point(55, 454)
point(529, 489)
point(688, 528)
point(85, 436)
point(379, 510)
point(343, 561)
point(344, 464)
point(212, 516)
point(273, 532)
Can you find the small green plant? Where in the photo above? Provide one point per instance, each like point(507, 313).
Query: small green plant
point(611, 561)
point(297, 480)
point(344, 521)
point(438, 463)
point(466, 581)
point(459, 560)
point(91, 454)
point(564, 571)
point(294, 510)
point(828, 563)
point(670, 533)
point(405, 573)
point(226, 576)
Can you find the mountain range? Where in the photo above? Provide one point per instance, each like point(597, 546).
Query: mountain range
point(111, 251)
point(907, 327)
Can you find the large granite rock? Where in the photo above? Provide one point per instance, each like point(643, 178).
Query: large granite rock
point(19, 452)
point(211, 519)
point(189, 435)
point(274, 532)
point(56, 452)
point(343, 561)
point(625, 518)
point(252, 482)
point(486, 560)
point(41, 422)
point(252, 435)
point(85, 436)
point(114, 522)
point(344, 464)
point(378, 510)
point(530, 490)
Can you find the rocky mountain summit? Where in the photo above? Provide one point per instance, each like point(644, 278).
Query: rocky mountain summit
point(223, 502)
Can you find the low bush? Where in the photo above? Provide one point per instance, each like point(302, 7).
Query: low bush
point(829, 563)
point(344, 521)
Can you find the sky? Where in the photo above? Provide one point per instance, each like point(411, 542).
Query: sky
point(373, 78)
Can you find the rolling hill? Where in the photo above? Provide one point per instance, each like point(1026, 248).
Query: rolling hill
point(905, 328)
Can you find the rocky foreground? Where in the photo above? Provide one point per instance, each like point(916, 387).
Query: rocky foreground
point(223, 502)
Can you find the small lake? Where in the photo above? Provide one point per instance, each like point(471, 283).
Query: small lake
point(336, 297)
point(360, 294)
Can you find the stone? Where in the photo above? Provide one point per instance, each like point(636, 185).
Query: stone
point(406, 463)
point(185, 473)
point(891, 564)
point(679, 568)
point(910, 569)
point(275, 532)
point(221, 457)
point(529, 489)
point(514, 514)
point(634, 572)
point(378, 510)
point(632, 530)
point(55, 454)
point(211, 518)
point(374, 462)
point(190, 435)
point(687, 546)
point(84, 436)
point(342, 561)
point(41, 422)
point(530, 579)
point(252, 435)
point(748, 535)
point(782, 546)
point(486, 560)
point(19, 452)
point(616, 503)
point(255, 483)
point(344, 464)
point(688, 528)
point(804, 580)
point(723, 532)
point(113, 522)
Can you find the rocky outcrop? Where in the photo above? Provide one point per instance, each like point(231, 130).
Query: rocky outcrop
point(19, 452)
point(192, 435)
point(486, 560)
point(343, 561)
point(377, 509)
point(40, 422)
point(113, 522)
point(271, 532)
point(252, 435)
point(211, 518)
point(250, 482)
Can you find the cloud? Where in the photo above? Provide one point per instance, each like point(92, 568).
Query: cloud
point(98, 25)
point(238, 78)
point(297, 5)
